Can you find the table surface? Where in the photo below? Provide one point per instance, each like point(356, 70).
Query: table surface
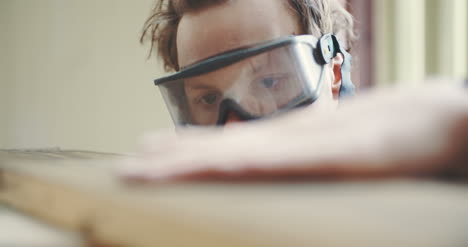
point(78, 191)
point(19, 230)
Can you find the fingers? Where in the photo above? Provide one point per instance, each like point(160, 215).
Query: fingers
point(382, 134)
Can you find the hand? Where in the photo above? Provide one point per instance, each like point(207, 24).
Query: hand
point(395, 132)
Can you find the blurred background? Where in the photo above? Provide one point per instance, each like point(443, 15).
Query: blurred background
point(74, 76)
point(403, 40)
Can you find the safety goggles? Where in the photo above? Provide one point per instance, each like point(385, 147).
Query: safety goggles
point(251, 82)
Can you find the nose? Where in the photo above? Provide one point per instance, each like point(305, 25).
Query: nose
point(233, 118)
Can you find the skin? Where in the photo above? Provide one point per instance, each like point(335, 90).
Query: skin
point(387, 133)
point(239, 23)
point(261, 85)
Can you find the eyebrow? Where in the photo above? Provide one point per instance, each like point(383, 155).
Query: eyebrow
point(258, 63)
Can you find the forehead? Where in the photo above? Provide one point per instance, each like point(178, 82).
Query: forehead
point(230, 25)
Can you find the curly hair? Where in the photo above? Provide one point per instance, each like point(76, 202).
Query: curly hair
point(317, 17)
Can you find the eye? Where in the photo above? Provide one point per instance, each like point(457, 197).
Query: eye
point(209, 99)
point(269, 82)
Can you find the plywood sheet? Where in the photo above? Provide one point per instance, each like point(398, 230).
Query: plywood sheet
point(79, 191)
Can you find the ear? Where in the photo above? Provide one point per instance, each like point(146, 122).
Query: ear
point(336, 80)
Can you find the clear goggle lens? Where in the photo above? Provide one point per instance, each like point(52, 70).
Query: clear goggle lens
point(261, 85)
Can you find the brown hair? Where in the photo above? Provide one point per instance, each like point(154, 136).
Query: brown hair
point(318, 17)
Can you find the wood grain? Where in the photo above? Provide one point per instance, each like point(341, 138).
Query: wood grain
point(78, 191)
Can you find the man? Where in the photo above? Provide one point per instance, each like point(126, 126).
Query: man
point(244, 60)
point(186, 34)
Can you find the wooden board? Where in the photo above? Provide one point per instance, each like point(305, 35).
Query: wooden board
point(18, 230)
point(79, 191)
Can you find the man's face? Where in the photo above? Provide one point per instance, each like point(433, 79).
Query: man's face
point(224, 27)
point(260, 85)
